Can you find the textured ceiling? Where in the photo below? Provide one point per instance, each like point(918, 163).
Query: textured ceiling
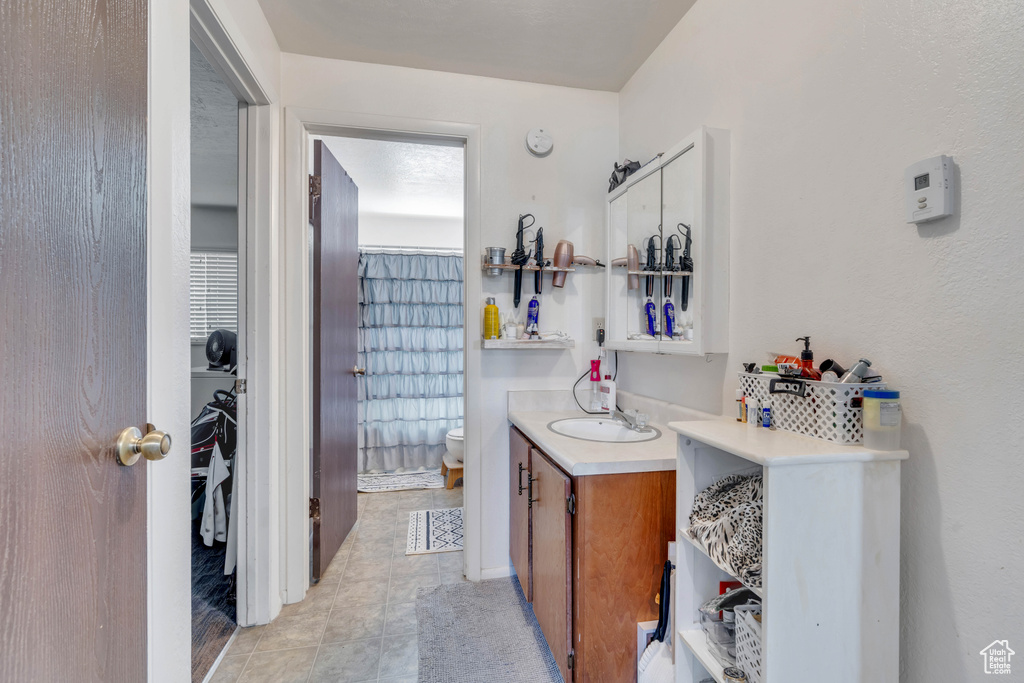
point(595, 44)
point(403, 178)
point(214, 137)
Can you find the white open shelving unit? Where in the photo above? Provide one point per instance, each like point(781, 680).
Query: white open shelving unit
point(830, 557)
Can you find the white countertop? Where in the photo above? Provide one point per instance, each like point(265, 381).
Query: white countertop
point(580, 458)
point(774, 448)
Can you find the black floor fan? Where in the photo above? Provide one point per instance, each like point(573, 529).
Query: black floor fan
point(222, 350)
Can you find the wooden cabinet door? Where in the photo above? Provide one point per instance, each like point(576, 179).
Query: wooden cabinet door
point(552, 558)
point(519, 451)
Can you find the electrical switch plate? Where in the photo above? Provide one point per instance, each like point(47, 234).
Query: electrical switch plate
point(929, 189)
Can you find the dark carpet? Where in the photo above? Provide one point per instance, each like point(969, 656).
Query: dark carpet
point(213, 612)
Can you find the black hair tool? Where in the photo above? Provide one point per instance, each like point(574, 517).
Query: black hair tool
point(670, 258)
point(538, 255)
point(652, 264)
point(685, 264)
point(520, 257)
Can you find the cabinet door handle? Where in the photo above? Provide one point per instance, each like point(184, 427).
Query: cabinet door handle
point(530, 500)
point(520, 479)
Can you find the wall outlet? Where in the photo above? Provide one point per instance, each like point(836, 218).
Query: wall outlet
point(598, 325)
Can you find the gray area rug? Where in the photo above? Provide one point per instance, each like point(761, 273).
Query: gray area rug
point(475, 632)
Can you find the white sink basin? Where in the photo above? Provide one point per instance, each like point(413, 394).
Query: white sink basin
point(604, 429)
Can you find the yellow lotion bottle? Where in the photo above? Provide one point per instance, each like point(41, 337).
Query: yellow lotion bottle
point(492, 324)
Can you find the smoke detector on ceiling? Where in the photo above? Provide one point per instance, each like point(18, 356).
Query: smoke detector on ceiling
point(539, 142)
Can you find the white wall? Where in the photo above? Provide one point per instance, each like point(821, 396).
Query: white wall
point(565, 191)
point(827, 104)
point(404, 230)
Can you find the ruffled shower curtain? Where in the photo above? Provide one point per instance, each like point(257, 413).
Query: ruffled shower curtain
point(410, 342)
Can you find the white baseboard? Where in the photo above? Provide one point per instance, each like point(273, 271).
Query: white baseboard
point(494, 572)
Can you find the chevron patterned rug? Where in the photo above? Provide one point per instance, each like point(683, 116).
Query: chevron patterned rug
point(434, 531)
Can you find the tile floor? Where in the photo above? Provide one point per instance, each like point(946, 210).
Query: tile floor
point(359, 623)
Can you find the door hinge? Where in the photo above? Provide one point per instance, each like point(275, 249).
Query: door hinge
point(570, 504)
point(572, 659)
point(314, 186)
point(314, 509)
point(239, 386)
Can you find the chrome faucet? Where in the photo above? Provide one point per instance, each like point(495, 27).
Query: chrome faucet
point(635, 420)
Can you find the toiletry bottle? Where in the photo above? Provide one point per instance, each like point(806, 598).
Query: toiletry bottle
point(740, 405)
point(492, 321)
point(532, 314)
point(595, 385)
point(806, 362)
point(650, 311)
point(608, 394)
point(856, 374)
point(670, 318)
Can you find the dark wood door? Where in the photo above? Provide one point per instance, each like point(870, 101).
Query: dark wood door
point(519, 509)
point(334, 214)
point(552, 558)
point(72, 339)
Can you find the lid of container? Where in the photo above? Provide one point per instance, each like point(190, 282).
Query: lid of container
point(880, 393)
point(731, 674)
point(490, 301)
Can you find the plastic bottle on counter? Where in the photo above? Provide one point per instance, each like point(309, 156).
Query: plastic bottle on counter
point(883, 419)
point(492, 321)
point(608, 394)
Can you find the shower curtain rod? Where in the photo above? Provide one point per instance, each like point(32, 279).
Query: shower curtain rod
point(411, 250)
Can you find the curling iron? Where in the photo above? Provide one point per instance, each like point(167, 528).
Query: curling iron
point(520, 257)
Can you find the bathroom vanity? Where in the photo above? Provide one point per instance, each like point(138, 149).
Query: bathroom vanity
point(590, 524)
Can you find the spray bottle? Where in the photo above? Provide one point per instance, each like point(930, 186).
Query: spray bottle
point(595, 385)
point(532, 314)
point(651, 314)
point(670, 317)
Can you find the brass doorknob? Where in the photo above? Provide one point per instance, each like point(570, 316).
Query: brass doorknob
point(131, 445)
point(357, 371)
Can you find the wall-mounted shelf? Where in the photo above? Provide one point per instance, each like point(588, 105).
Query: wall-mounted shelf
point(659, 273)
point(532, 267)
point(521, 344)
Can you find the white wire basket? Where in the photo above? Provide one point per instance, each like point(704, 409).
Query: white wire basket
point(824, 411)
point(748, 642)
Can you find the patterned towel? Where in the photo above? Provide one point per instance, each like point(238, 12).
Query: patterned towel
point(726, 521)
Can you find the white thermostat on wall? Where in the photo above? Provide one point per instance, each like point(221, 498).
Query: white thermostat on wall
point(929, 188)
point(539, 142)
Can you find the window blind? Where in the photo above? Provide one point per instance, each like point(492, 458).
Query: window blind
point(213, 293)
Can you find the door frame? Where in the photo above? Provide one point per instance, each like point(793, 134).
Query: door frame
point(257, 597)
point(300, 123)
point(168, 377)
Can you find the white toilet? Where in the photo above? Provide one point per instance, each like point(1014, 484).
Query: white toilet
point(456, 443)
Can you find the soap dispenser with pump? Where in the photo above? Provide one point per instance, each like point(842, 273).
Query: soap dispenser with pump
point(807, 368)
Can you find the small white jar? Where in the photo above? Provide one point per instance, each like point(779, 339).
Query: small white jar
point(883, 419)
